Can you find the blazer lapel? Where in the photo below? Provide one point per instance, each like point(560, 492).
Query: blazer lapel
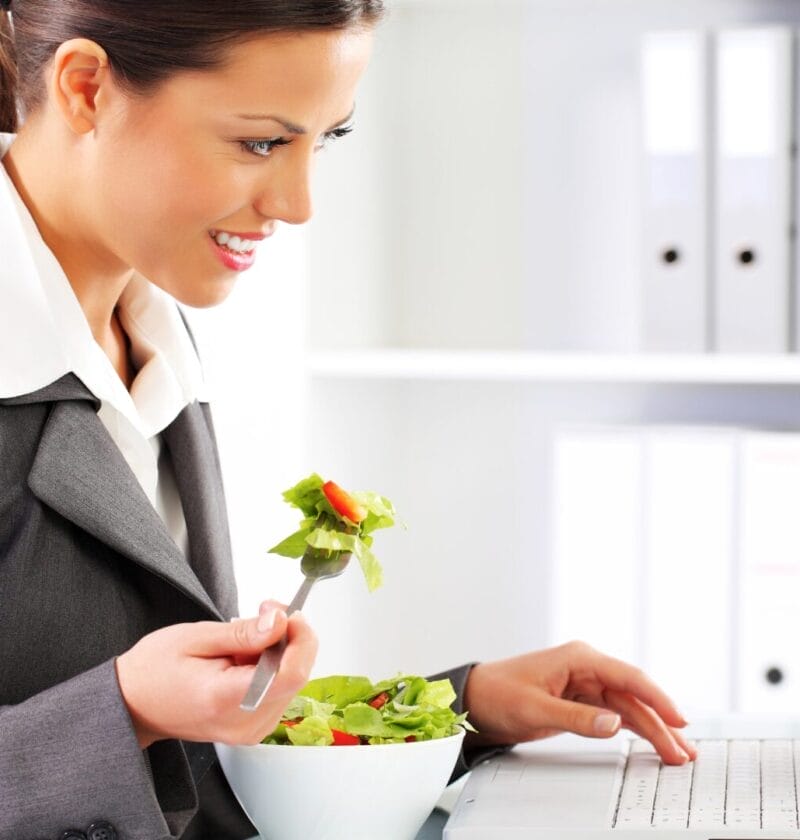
point(193, 449)
point(80, 473)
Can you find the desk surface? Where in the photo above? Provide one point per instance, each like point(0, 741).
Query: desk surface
point(432, 830)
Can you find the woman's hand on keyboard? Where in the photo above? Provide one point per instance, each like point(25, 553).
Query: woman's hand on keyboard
point(571, 688)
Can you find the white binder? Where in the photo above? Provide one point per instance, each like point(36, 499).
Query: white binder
point(688, 615)
point(769, 577)
point(675, 249)
point(754, 118)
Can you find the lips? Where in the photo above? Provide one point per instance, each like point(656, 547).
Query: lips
point(231, 259)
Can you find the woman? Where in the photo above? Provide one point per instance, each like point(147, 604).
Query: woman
point(138, 140)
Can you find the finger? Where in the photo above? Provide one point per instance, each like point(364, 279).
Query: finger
point(292, 675)
point(580, 718)
point(227, 639)
point(271, 605)
point(688, 747)
point(297, 659)
point(647, 724)
point(620, 676)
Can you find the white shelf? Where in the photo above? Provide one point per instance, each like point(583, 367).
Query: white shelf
point(394, 364)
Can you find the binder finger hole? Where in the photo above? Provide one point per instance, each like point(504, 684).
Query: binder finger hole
point(746, 256)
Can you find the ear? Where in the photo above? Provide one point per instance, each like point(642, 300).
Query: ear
point(79, 72)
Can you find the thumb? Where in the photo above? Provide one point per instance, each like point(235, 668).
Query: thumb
point(580, 718)
point(240, 636)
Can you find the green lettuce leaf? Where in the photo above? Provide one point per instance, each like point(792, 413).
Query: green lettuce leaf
point(306, 494)
point(310, 732)
point(305, 706)
point(294, 545)
point(339, 691)
point(373, 572)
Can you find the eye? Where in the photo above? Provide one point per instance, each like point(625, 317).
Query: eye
point(263, 148)
point(342, 131)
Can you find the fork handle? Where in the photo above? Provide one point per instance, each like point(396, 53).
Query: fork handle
point(301, 595)
point(270, 658)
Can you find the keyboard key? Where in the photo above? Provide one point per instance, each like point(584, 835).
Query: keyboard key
point(778, 793)
point(672, 797)
point(708, 785)
point(639, 787)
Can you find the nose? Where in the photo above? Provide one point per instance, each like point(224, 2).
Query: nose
point(286, 192)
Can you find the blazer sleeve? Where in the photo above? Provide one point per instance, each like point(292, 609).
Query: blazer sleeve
point(69, 758)
point(470, 754)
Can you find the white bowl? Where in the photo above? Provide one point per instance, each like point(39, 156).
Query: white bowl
point(368, 792)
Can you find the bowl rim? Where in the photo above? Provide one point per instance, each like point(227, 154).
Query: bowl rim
point(373, 747)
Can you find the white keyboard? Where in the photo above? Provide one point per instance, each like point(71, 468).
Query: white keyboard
point(737, 783)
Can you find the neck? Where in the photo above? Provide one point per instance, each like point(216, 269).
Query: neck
point(52, 189)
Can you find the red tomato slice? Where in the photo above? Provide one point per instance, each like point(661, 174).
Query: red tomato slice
point(343, 503)
point(379, 700)
point(410, 738)
point(344, 739)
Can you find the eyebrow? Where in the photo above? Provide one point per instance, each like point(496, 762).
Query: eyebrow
point(291, 127)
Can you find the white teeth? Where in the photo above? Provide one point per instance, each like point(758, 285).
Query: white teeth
point(234, 243)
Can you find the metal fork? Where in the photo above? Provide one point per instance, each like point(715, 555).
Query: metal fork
point(315, 566)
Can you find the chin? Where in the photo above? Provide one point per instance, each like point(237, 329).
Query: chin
point(206, 295)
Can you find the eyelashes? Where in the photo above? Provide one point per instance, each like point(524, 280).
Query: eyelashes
point(342, 131)
point(263, 148)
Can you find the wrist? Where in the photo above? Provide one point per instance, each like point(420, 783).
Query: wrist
point(145, 734)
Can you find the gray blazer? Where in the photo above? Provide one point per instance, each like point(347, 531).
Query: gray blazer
point(87, 567)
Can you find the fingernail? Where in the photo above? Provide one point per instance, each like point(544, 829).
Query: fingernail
point(683, 754)
point(606, 724)
point(266, 621)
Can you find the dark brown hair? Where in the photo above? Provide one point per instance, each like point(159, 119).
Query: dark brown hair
point(147, 41)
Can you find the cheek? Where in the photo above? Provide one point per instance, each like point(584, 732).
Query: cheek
point(164, 193)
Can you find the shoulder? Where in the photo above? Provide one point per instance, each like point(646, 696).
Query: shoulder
point(22, 421)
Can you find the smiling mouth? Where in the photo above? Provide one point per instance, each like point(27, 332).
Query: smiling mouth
point(233, 243)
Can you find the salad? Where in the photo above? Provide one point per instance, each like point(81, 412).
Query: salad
point(337, 521)
point(349, 711)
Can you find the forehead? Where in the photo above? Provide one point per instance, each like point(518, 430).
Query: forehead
point(298, 74)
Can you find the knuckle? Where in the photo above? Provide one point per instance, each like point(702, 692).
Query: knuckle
point(577, 720)
point(580, 646)
point(240, 634)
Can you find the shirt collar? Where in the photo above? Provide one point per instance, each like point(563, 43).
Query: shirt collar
point(44, 333)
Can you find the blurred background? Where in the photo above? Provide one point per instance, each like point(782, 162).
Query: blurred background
point(547, 306)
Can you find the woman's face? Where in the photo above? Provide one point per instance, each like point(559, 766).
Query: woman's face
point(228, 151)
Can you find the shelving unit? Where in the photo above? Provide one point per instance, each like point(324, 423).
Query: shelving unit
point(472, 284)
point(497, 366)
